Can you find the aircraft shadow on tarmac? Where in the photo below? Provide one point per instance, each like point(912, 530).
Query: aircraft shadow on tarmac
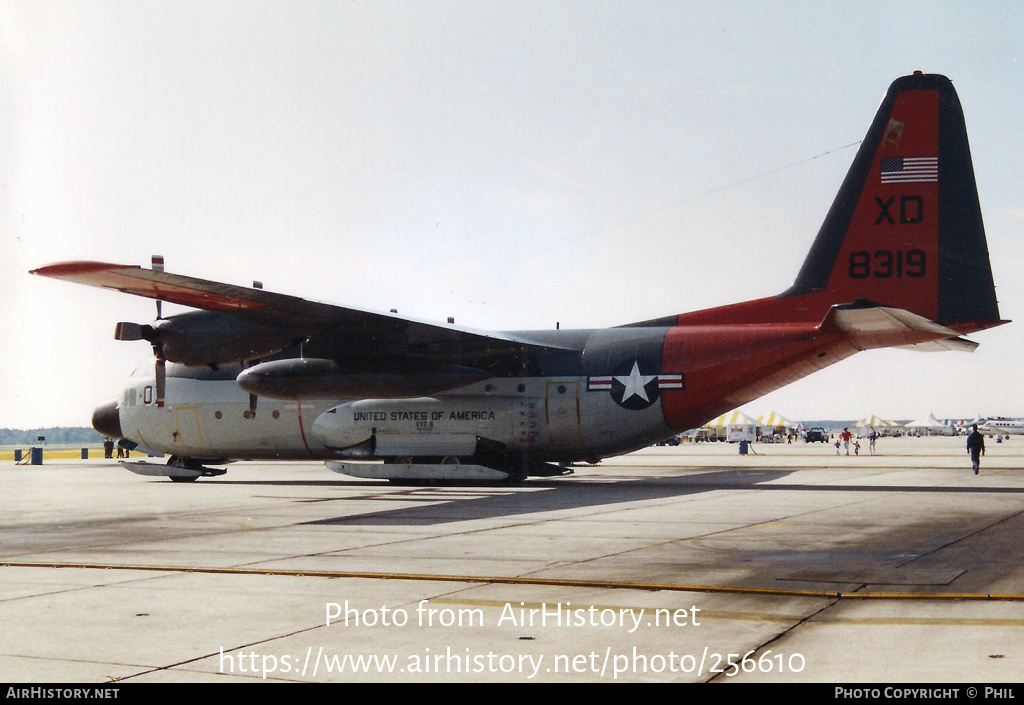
point(466, 503)
point(491, 501)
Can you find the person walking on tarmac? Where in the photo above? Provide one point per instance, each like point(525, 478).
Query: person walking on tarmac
point(976, 447)
point(846, 436)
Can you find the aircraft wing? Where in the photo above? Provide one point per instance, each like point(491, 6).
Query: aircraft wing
point(360, 330)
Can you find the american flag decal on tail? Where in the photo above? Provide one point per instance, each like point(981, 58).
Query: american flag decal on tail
point(909, 170)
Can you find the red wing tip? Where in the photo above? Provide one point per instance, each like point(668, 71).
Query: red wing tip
point(70, 269)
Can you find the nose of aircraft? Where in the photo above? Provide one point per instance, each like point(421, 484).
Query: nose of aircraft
point(107, 420)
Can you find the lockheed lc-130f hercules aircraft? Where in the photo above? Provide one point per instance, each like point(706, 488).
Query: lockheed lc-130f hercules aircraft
point(900, 260)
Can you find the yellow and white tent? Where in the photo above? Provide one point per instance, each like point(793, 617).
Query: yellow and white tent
point(774, 420)
point(727, 426)
point(875, 422)
point(733, 418)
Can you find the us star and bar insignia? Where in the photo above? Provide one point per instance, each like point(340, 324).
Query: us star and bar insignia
point(638, 385)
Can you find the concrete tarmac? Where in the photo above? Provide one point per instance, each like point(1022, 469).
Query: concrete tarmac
point(688, 564)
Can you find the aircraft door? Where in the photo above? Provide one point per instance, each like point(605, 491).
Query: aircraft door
point(563, 408)
point(187, 431)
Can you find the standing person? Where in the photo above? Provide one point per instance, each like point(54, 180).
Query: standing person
point(871, 440)
point(976, 447)
point(846, 436)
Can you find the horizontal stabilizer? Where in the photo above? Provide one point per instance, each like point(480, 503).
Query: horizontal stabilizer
point(871, 326)
point(957, 344)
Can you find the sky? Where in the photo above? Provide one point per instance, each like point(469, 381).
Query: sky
point(514, 165)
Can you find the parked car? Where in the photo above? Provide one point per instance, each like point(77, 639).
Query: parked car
point(816, 434)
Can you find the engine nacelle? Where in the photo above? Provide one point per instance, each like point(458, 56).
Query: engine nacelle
point(211, 338)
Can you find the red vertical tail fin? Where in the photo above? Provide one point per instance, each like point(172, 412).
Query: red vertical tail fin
point(905, 229)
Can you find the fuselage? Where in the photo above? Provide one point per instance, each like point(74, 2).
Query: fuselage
point(620, 390)
point(1007, 426)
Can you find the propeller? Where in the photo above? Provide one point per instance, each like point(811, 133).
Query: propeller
point(126, 330)
point(136, 331)
point(161, 373)
point(253, 398)
point(157, 265)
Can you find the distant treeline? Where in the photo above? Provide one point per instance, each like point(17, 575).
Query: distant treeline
point(840, 425)
point(60, 435)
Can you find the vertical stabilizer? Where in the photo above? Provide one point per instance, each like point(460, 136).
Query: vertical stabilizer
point(905, 229)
